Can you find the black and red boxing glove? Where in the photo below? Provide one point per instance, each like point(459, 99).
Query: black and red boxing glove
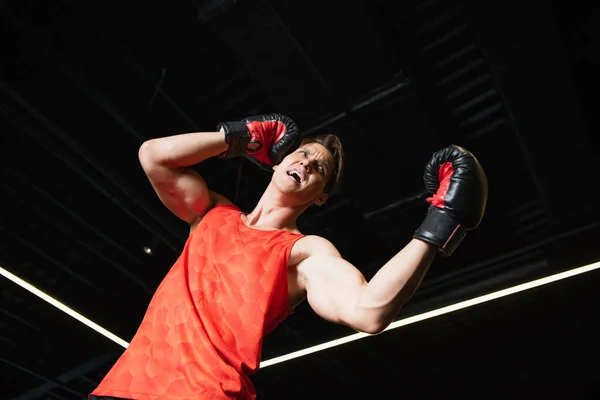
point(264, 139)
point(460, 188)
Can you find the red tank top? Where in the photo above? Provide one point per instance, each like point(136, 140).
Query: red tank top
point(202, 333)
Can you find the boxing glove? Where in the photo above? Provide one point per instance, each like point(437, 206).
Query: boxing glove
point(264, 139)
point(460, 188)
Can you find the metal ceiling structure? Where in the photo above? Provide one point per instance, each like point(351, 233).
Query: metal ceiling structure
point(82, 85)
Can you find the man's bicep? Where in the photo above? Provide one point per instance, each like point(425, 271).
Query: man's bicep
point(184, 192)
point(333, 287)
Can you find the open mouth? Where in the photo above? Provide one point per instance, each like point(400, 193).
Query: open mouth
point(295, 175)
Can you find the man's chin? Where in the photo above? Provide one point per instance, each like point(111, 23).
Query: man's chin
point(296, 195)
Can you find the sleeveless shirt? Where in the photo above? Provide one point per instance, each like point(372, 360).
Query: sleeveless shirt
point(201, 336)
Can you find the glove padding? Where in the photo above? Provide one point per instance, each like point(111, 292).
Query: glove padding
point(460, 188)
point(264, 139)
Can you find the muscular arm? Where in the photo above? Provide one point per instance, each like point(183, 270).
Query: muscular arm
point(338, 292)
point(167, 162)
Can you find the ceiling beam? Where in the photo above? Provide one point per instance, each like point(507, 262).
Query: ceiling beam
point(111, 187)
point(93, 92)
point(77, 77)
point(281, 68)
point(158, 88)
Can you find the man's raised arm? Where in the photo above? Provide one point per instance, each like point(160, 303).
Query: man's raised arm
point(167, 162)
point(338, 292)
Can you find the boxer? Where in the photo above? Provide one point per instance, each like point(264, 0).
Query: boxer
point(239, 274)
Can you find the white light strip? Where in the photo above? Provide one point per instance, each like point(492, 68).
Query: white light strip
point(403, 322)
point(63, 308)
point(435, 313)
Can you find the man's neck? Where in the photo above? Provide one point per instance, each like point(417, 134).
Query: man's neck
point(273, 212)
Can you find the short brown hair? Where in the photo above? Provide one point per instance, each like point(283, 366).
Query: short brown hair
point(334, 145)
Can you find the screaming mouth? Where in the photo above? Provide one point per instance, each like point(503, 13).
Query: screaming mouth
point(295, 175)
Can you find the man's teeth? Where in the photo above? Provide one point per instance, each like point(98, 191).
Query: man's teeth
point(295, 175)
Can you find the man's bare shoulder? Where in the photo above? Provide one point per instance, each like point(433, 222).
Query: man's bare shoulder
point(314, 244)
point(311, 246)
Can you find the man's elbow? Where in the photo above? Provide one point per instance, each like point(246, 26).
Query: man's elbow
point(377, 328)
point(149, 155)
point(374, 330)
point(145, 153)
point(371, 326)
point(372, 319)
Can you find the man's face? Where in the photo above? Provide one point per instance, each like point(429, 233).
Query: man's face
point(305, 172)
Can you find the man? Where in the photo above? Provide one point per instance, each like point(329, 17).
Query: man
point(240, 274)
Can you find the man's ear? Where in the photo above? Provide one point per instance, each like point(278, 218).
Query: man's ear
point(274, 167)
point(321, 199)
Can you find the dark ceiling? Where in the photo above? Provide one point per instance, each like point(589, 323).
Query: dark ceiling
point(83, 84)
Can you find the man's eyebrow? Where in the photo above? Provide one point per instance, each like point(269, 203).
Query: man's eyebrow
point(327, 164)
